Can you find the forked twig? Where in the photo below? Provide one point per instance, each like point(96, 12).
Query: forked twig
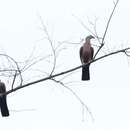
point(106, 29)
point(76, 96)
point(51, 43)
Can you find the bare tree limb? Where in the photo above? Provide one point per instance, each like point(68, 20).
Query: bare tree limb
point(52, 76)
point(106, 29)
point(67, 71)
point(81, 22)
point(76, 96)
point(51, 43)
point(14, 79)
point(17, 66)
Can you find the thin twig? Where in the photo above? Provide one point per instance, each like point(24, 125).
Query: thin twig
point(18, 69)
point(81, 22)
point(14, 79)
point(51, 43)
point(34, 62)
point(106, 29)
point(77, 97)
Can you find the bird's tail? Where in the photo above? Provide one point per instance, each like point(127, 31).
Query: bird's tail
point(3, 106)
point(85, 73)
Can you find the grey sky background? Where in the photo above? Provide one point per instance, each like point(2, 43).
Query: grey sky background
point(48, 105)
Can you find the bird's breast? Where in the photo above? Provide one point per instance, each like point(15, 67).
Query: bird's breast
point(86, 55)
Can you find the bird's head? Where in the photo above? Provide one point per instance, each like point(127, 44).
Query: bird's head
point(89, 37)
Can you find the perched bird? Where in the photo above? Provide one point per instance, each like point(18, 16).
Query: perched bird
point(86, 55)
point(3, 102)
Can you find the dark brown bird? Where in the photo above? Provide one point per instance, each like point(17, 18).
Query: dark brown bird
point(86, 55)
point(3, 102)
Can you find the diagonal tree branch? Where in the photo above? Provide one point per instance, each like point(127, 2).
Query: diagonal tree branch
point(106, 29)
point(67, 71)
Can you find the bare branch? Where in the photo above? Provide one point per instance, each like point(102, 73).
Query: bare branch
point(127, 52)
point(65, 72)
point(81, 22)
point(115, 5)
point(51, 43)
point(77, 97)
point(106, 29)
point(18, 69)
point(14, 79)
point(37, 60)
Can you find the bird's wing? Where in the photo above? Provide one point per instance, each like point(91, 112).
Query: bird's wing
point(2, 87)
point(81, 53)
point(92, 52)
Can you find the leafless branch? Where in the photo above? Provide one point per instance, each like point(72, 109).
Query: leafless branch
point(24, 110)
point(51, 43)
point(76, 96)
point(67, 71)
point(82, 23)
point(127, 52)
point(14, 79)
point(17, 66)
point(106, 29)
point(35, 61)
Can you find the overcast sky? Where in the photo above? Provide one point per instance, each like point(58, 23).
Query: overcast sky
point(50, 106)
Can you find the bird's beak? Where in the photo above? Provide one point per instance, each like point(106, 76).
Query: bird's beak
point(92, 37)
